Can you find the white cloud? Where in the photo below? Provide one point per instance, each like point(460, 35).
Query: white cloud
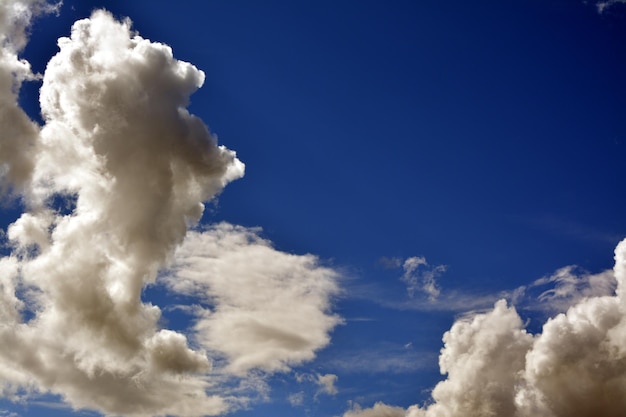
point(296, 399)
point(482, 358)
point(270, 310)
point(604, 5)
point(19, 133)
point(576, 367)
point(327, 384)
point(119, 141)
point(552, 294)
point(419, 276)
point(566, 287)
point(449, 300)
point(118, 138)
point(378, 410)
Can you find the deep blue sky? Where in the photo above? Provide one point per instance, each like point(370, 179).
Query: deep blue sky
point(486, 136)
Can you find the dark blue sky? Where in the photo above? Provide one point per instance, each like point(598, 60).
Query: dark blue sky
point(486, 137)
point(489, 137)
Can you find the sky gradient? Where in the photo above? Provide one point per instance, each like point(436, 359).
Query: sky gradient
point(357, 209)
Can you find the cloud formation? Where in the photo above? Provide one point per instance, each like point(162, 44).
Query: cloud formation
point(132, 168)
point(325, 382)
point(565, 287)
point(378, 410)
point(19, 133)
point(418, 275)
point(604, 5)
point(576, 367)
point(269, 310)
point(383, 358)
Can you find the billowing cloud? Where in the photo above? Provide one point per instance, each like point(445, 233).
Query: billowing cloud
point(482, 358)
point(119, 140)
point(576, 367)
point(132, 168)
point(270, 309)
point(19, 133)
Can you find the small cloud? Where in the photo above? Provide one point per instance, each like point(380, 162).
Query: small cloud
point(575, 367)
point(378, 410)
point(390, 263)
point(419, 276)
point(603, 5)
point(327, 384)
point(359, 319)
point(296, 399)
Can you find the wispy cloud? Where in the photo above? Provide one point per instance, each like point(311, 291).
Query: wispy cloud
point(450, 300)
point(326, 383)
point(551, 294)
point(567, 286)
point(604, 5)
point(296, 399)
point(418, 275)
point(383, 358)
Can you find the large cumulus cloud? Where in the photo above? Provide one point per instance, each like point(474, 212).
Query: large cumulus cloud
point(575, 367)
point(110, 184)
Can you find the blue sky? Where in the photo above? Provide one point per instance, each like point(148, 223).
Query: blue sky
point(432, 156)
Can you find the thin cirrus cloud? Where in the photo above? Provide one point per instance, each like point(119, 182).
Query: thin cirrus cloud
point(326, 382)
point(552, 294)
point(383, 358)
point(119, 146)
point(326, 385)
